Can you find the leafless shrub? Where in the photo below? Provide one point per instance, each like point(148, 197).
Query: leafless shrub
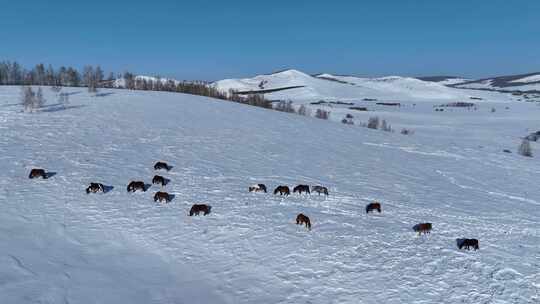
point(525, 148)
point(386, 126)
point(285, 106)
point(348, 120)
point(27, 98)
point(304, 111)
point(322, 114)
point(373, 122)
point(30, 100)
point(40, 100)
point(405, 131)
point(63, 99)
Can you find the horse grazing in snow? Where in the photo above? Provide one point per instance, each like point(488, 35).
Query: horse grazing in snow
point(136, 185)
point(468, 243)
point(35, 173)
point(162, 165)
point(283, 190)
point(258, 188)
point(320, 189)
point(422, 228)
point(302, 219)
point(373, 206)
point(162, 197)
point(301, 188)
point(159, 180)
point(197, 208)
point(95, 187)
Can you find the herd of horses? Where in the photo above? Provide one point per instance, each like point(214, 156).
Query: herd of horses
point(133, 186)
point(421, 228)
point(196, 209)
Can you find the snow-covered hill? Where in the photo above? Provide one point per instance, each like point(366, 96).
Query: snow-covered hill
point(524, 82)
point(60, 245)
point(307, 88)
point(445, 80)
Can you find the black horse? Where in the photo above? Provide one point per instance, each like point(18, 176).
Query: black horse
point(301, 188)
point(35, 173)
point(159, 180)
point(197, 208)
point(468, 243)
point(162, 165)
point(373, 206)
point(136, 185)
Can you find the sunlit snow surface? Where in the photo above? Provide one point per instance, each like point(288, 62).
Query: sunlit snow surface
point(60, 245)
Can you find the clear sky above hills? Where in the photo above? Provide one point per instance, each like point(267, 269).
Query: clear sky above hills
point(221, 39)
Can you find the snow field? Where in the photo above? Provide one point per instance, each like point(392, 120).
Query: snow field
point(65, 245)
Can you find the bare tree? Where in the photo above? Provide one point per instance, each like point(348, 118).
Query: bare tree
point(30, 100)
point(373, 122)
point(27, 98)
point(89, 78)
point(525, 148)
point(63, 99)
point(285, 106)
point(304, 111)
point(406, 131)
point(348, 119)
point(385, 126)
point(322, 114)
point(40, 100)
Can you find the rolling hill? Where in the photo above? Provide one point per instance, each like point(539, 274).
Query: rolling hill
point(328, 87)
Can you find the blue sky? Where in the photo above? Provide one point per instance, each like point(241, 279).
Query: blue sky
point(220, 39)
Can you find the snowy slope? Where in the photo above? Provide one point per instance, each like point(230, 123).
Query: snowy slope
point(60, 245)
point(525, 82)
point(349, 88)
point(445, 80)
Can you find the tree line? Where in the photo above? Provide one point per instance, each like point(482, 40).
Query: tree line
point(12, 73)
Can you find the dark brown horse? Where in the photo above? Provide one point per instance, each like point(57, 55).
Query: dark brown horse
point(197, 208)
point(373, 206)
point(422, 228)
point(283, 190)
point(258, 188)
point(35, 173)
point(95, 187)
point(302, 219)
point(162, 197)
point(162, 165)
point(319, 190)
point(301, 188)
point(136, 185)
point(158, 179)
point(468, 243)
